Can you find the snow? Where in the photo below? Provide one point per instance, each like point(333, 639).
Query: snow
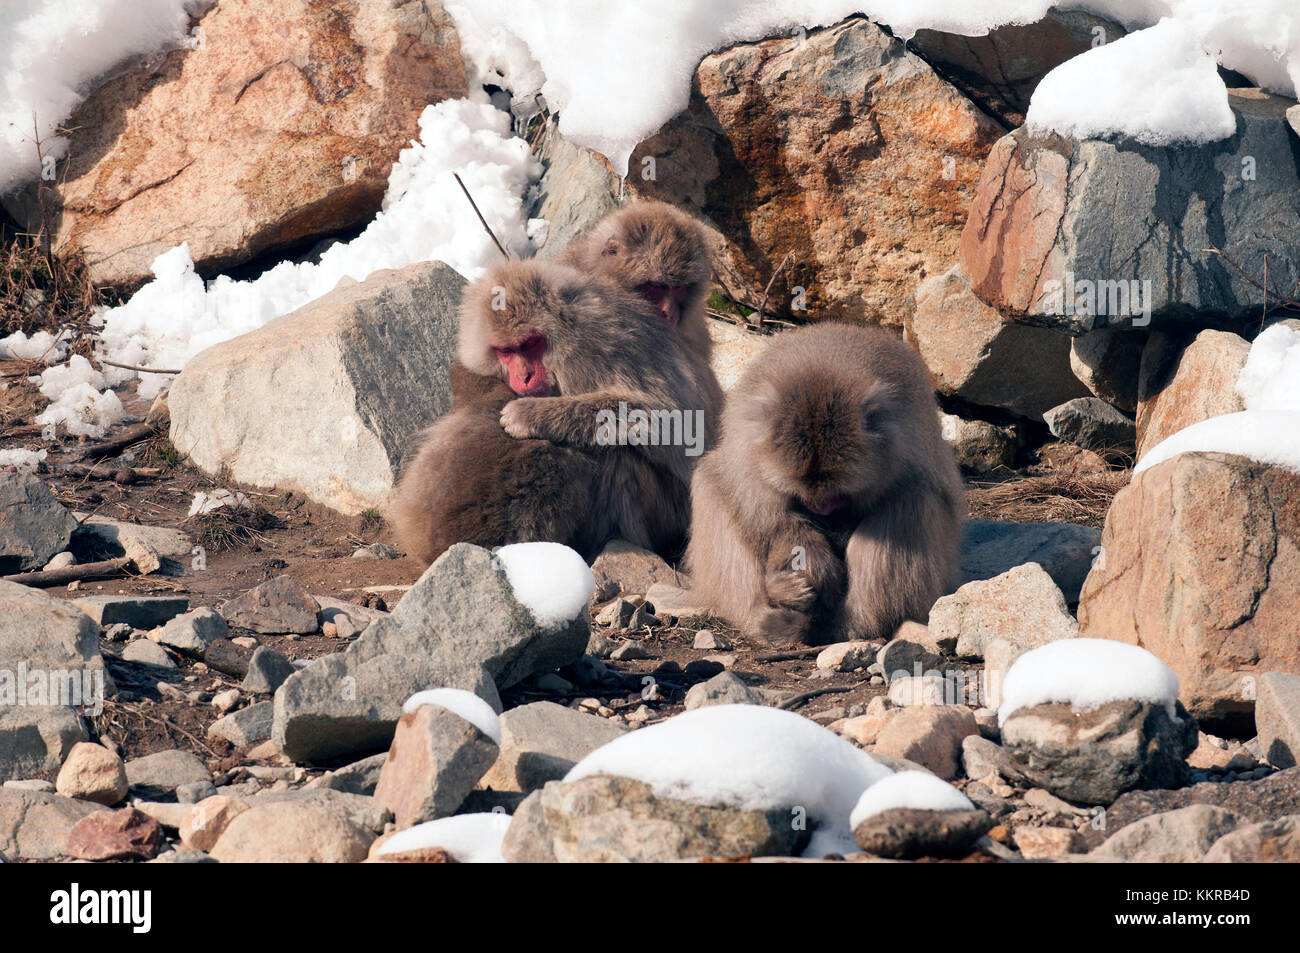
point(79, 399)
point(50, 53)
point(1156, 86)
point(551, 580)
point(1086, 674)
point(41, 344)
point(1268, 430)
point(205, 502)
point(470, 838)
point(749, 757)
point(918, 790)
point(22, 460)
point(459, 702)
point(424, 217)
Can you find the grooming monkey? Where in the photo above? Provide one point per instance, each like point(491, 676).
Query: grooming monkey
point(568, 347)
point(831, 508)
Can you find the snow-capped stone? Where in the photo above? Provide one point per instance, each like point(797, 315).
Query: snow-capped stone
point(436, 759)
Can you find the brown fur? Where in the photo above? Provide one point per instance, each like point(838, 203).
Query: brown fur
point(831, 414)
point(503, 468)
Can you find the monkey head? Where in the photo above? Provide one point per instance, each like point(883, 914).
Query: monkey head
point(659, 251)
point(823, 443)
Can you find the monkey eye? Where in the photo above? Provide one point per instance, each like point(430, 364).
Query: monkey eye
point(610, 249)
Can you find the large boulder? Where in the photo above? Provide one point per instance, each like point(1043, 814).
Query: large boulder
point(1059, 229)
point(280, 124)
point(1201, 566)
point(1065, 551)
point(1022, 605)
point(459, 626)
point(324, 401)
point(976, 354)
point(1182, 382)
point(842, 149)
point(33, 524)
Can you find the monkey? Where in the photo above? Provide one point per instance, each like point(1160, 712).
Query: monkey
point(831, 508)
point(558, 355)
point(660, 252)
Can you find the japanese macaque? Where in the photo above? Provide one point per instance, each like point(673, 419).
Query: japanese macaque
point(659, 252)
point(599, 416)
point(831, 508)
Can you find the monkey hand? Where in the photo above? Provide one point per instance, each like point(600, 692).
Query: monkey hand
point(518, 418)
point(790, 589)
point(780, 627)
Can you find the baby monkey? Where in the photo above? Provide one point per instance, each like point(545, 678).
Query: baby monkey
point(831, 509)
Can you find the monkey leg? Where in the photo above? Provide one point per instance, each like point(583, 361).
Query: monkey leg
point(802, 575)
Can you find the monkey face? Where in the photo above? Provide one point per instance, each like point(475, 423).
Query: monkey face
point(660, 252)
point(523, 366)
point(827, 447)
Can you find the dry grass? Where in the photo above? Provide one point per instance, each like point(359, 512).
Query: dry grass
point(39, 291)
point(1070, 495)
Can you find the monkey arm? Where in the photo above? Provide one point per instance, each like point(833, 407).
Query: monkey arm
point(801, 568)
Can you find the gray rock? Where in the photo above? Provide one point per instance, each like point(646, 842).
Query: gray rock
point(35, 825)
point(1173, 837)
point(351, 376)
point(192, 792)
point(904, 832)
point(278, 605)
point(1277, 717)
point(145, 652)
point(982, 757)
point(1023, 606)
point(36, 739)
point(34, 526)
point(192, 632)
point(377, 551)
point(267, 670)
point(166, 542)
point(155, 777)
point(61, 561)
point(436, 759)
point(1065, 550)
point(1275, 841)
point(365, 812)
point(980, 445)
point(602, 818)
point(359, 777)
point(902, 658)
point(1094, 757)
point(617, 614)
point(528, 839)
point(541, 741)
point(1108, 362)
point(459, 626)
point(349, 618)
point(139, 612)
point(675, 601)
point(1093, 424)
point(245, 727)
point(726, 688)
point(575, 192)
point(632, 569)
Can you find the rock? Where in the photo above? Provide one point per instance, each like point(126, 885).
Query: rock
point(245, 727)
point(977, 355)
point(671, 600)
point(617, 614)
point(177, 150)
point(1056, 221)
point(37, 739)
point(1094, 757)
point(92, 773)
point(1108, 362)
point(192, 792)
point(641, 619)
point(999, 656)
point(1023, 606)
point(226, 701)
point(577, 189)
point(168, 815)
point(377, 551)
point(230, 657)
point(707, 640)
point(979, 445)
point(541, 741)
point(1277, 716)
point(1001, 69)
point(191, 633)
point(846, 656)
point(981, 757)
point(1040, 843)
point(34, 526)
point(1276, 841)
point(351, 376)
point(903, 658)
point(61, 561)
point(1065, 550)
point(156, 776)
point(459, 626)
point(267, 670)
point(864, 730)
point(1215, 753)
point(113, 835)
point(602, 819)
point(277, 605)
point(347, 618)
point(207, 820)
point(144, 652)
point(139, 612)
point(813, 149)
point(733, 349)
point(632, 569)
point(292, 832)
point(436, 759)
point(365, 812)
point(929, 735)
point(1093, 424)
point(1183, 382)
point(359, 777)
point(910, 691)
point(1174, 837)
point(528, 839)
point(726, 688)
point(166, 542)
point(905, 832)
point(34, 825)
point(1177, 580)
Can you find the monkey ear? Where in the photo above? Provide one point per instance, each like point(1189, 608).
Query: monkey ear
point(876, 407)
point(612, 249)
